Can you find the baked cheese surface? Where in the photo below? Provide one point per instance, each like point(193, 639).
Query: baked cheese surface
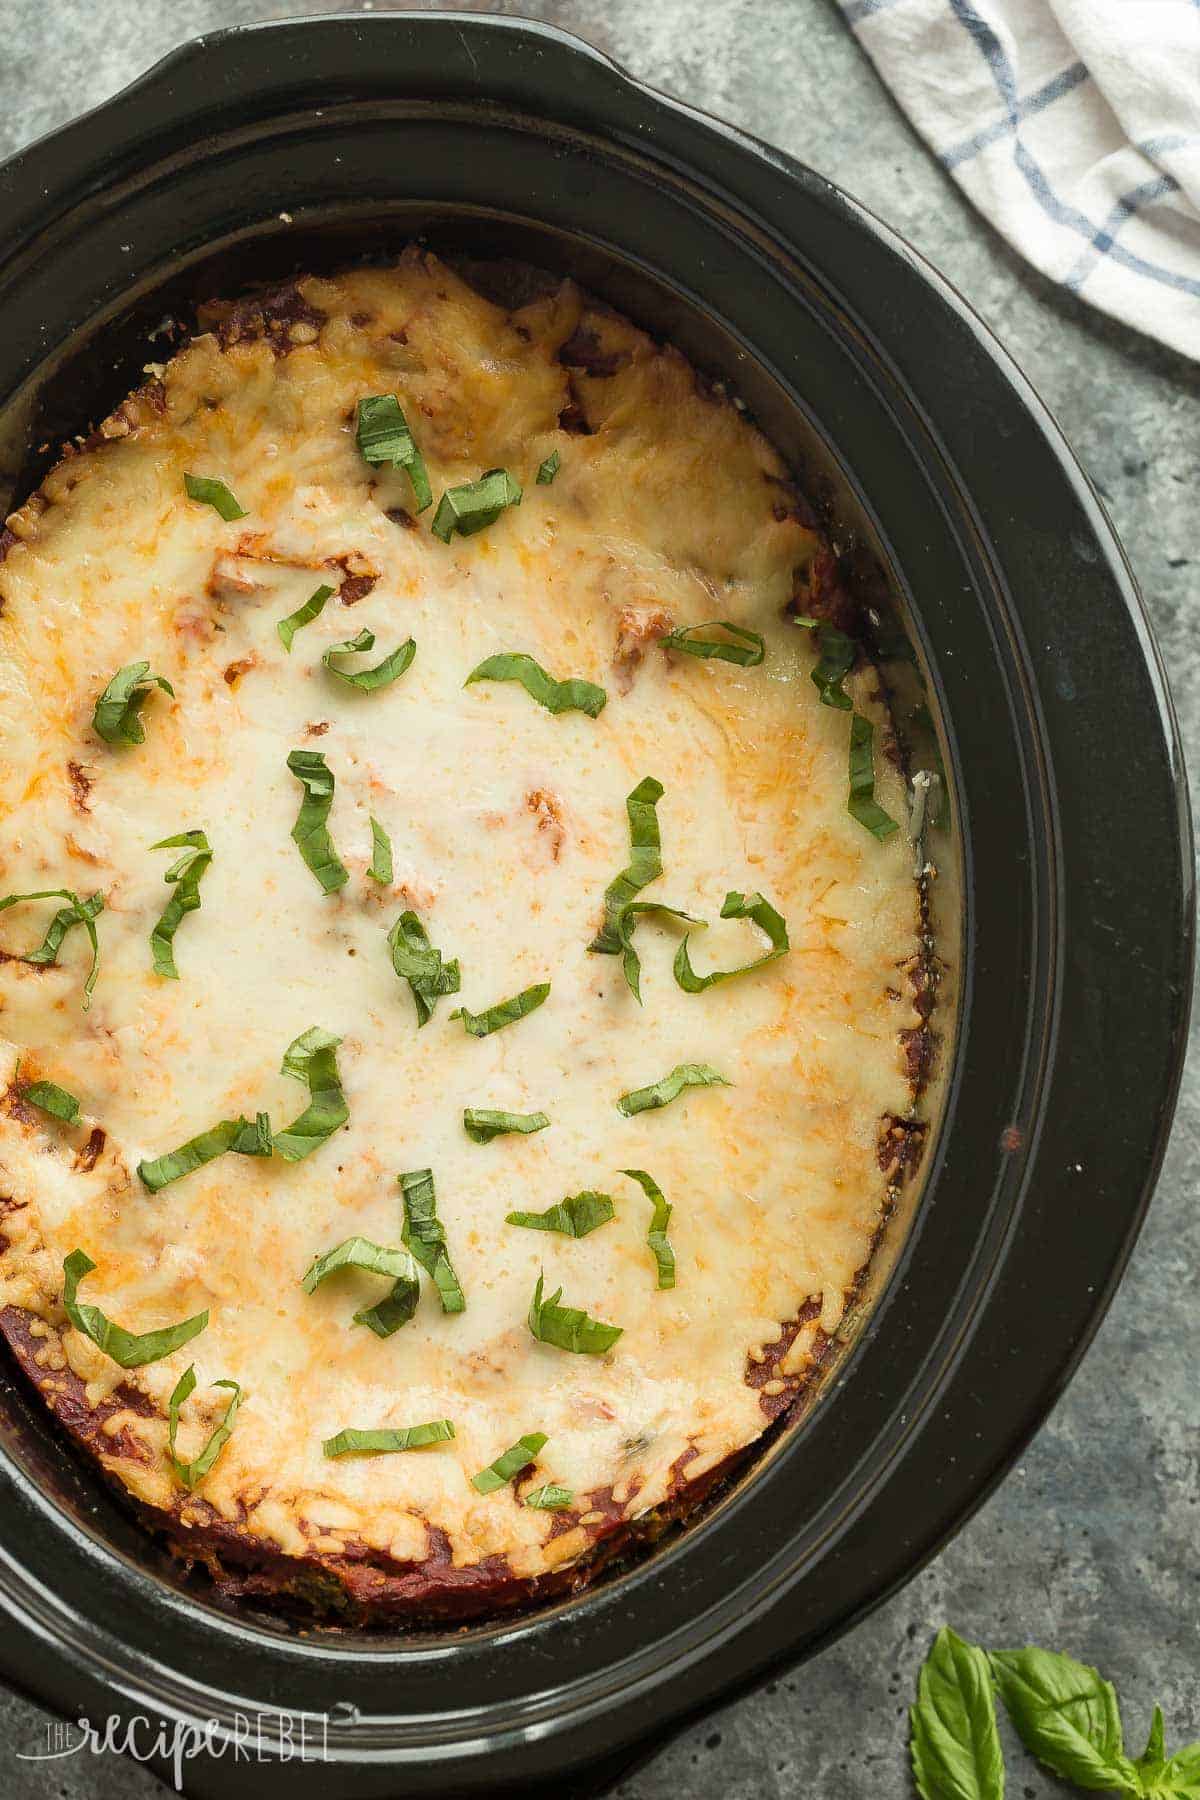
point(507, 823)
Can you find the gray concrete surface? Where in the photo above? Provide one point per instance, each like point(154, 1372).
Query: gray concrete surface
point(1091, 1543)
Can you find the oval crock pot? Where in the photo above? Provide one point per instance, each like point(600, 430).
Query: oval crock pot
point(254, 152)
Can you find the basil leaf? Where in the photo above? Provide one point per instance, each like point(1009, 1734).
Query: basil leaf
point(1151, 1763)
point(660, 1218)
point(310, 833)
point(115, 717)
point(517, 1457)
point(475, 504)
point(382, 869)
point(383, 436)
point(312, 1058)
point(548, 468)
point(128, 1349)
point(736, 906)
point(417, 962)
point(482, 1126)
point(747, 650)
point(1067, 1715)
point(954, 1744)
point(192, 1472)
point(312, 609)
point(661, 1093)
point(185, 874)
point(406, 1437)
point(548, 1498)
point(50, 1098)
point(368, 681)
point(574, 695)
point(425, 1235)
point(505, 1012)
point(569, 1327)
point(645, 865)
point(214, 493)
point(231, 1134)
point(862, 804)
point(76, 912)
point(574, 1217)
point(838, 654)
point(626, 921)
point(397, 1307)
point(1180, 1777)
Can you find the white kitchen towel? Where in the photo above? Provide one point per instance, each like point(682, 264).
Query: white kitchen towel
point(1074, 125)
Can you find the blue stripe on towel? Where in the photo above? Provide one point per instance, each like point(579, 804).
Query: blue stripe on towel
point(1144, 195)
point(1059, 84)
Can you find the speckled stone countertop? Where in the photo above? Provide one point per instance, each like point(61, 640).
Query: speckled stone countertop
point(1092, 1544)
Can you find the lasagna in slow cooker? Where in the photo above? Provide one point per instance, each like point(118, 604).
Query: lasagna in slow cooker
point(462, 984)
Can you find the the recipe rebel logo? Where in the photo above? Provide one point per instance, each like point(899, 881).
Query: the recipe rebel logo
point(258, 1737)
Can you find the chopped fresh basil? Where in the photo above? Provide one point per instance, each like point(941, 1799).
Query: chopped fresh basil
point(505, 1012)
point(645, 865)
point(116, 717)
point(214, 493)
point(425, 1235)
point(368, 681)
point(76, 912)
point(660, 1218)
point(312, 1058)
point(312, 609)
point(569, 1327)
point(736, 906)
point(406, 1437)
point(128, 1349)
point(548, 468)
point(574, 695)
point(190, 1473)
point(417, 962)
point(861, 804)
point(50, 1098)
point(835, 661)
point(238, 1135)
point(661, 1093)
point(381, 869)
point(310, 832)
point(627, 918)
point(518, 1456)
point(747, 649)
point(475, 504)
point(185, 874)
point(482, 1126)
point(398, 1306)
point(383, 436)
point(574, 1217)
point(548, 1498)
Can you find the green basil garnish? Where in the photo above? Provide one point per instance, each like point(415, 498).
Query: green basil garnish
point(417, 962)
point(645, 865)
point(310, 832)
point(736, 906)
point(128, 1349)
point(238, 1135)
point(50, 1098)
point(312, 1058)
point(569, 1327)
point(627, 919)
point(475, 504)
point(312, 609)
point(481, 1126)
point(368, 681)
point(76, 912)
point(861, 804)
point(116, 716)
point(425, 1235)
point(518, 1456)
point(574, 1217)
point(398, 1306)
point(505, 1012)
point(214, 493)
point(381, 869)
point(661, 1093)
point(574, 695)
point(406, 1437)
point(192, 1472)
point(660, 1218)
point(185, 874)
point(383, 436)
point(837, 656)
point(548, 1498)
point(548, 468)
point(747, 649)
